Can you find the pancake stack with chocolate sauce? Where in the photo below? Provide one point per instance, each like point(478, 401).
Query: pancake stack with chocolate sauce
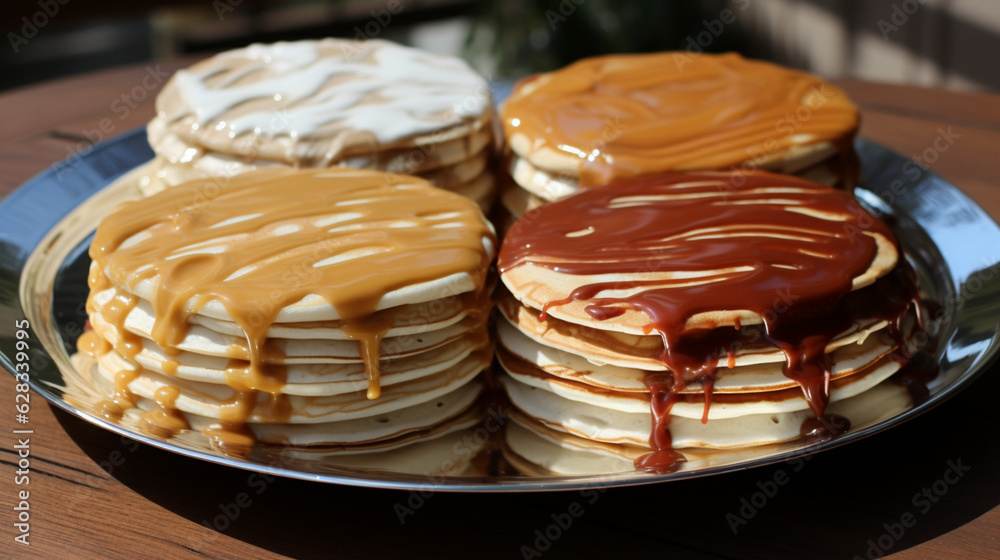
point(327, 103)
point(612, 117)
point(661, 315)
point(334, 311)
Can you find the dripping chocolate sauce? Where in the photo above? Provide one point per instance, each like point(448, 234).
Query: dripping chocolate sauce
point(791, 268)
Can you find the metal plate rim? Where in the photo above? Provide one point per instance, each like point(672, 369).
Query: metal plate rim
point(134, 140)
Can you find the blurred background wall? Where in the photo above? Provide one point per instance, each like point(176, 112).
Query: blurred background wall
point(949, 43)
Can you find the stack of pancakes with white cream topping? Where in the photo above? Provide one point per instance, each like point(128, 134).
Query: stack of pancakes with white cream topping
point(326, 103)
point(618, 116)
point(330, 310)
point(672, 312)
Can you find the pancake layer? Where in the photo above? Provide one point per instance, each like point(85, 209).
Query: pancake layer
point(320, 104)
point(330, 309)
point(612, 117)
point(689, 310)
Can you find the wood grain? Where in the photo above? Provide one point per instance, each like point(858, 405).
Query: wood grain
point(96, 495)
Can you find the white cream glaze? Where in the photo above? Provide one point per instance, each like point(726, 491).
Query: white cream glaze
point(318, 99)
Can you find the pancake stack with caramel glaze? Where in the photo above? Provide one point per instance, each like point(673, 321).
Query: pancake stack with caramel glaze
point(674, 312)
point(326, 103)
point(327, 310)
point(618, 116)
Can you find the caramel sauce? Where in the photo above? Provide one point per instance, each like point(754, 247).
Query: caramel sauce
point(122, 398)
point(270, 239)
point(369, 335)
point(235, 439)
point(628, 115)
point(92, 344)
point(169, 367)
point(771, 233)
point(165, 420)
point(115, 311)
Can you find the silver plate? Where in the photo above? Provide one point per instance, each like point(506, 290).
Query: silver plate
point(45, 228)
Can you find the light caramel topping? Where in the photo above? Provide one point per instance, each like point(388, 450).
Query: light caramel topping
point(272, 238)
point(232, 439)
point(122, 398)
point(165, 420)
point(626, 115)
point(114, 311)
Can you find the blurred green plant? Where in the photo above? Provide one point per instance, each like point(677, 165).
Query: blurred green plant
point(525, 36)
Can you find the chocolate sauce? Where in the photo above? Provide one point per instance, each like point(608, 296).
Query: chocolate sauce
point(604, 313)
point(664, 459)
point(920, 369)
point(708, 389)
point(820, 429)
point(784, 249)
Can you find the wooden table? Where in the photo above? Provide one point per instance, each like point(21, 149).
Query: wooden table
point(95, 495)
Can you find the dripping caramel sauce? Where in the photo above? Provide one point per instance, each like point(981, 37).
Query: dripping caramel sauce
point(260, 272)
point(165, 420)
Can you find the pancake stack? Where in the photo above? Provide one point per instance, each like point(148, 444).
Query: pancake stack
point(326, 103)
point(675, 312)
point(331, 311)
point(618, 116)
